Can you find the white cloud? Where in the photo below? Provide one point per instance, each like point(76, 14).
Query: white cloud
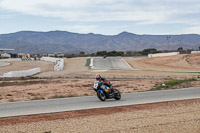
point(141, 11)
point(192, 29)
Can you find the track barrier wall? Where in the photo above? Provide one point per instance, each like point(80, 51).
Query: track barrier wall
point(195, 52)
point(91, 63)
point(24, 73)
point(59, 63)
point(11, 59)
point(163, 54)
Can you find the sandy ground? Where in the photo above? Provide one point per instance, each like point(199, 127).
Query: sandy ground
point(24, 90)
point(25, 65)
point(156, 67)
point(178, 62)
point(141, 74)
point(54, 88)
point(170, 117)
point(71, 66)
point(152, 67)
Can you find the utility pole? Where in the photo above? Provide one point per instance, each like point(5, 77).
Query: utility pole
point(36, 49)
point(18, 48)
point(168, 37)
point(179, 42)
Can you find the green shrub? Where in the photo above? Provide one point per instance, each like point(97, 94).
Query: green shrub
point(171, 82)
point(38, 98)
point(88, 62)
point(47, 132)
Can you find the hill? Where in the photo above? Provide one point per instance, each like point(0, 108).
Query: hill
point(67, 42)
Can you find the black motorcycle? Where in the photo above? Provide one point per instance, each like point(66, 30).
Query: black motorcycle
point(103, 95)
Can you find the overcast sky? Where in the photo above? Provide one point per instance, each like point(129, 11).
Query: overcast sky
point(107, 17)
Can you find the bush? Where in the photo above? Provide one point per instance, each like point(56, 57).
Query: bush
point(88, 62)
point(171, 82)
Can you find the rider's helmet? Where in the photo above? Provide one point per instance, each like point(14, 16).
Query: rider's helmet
point(98, 76)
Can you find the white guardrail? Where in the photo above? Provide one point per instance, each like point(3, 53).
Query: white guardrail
point(59, 63)
point(91, 63)
point(11, 59)
point(24, 73)
point(163, 54)
point(17, 59)
point(195, 52)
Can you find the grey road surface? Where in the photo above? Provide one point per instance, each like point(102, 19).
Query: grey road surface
point(91, 102)
point(111, 63)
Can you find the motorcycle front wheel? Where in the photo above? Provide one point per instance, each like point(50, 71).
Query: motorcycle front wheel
point(101, 95)
point(117, 94)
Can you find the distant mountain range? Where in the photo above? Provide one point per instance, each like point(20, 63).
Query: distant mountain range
point(67, 42)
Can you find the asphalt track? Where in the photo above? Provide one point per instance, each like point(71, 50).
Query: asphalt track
point(92, 102)
point(110, 63)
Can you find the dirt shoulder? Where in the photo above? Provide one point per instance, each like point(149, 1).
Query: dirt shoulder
point(178, 116)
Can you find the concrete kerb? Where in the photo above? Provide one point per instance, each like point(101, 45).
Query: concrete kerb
point(163, 54)
point(91, 63)
point(128, 64)
point(59, 63)
point(24, 73)
point(11, 59)
point(195, 52)
point(4, 64)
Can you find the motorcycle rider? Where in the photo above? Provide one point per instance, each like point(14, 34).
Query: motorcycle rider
point(103, 83)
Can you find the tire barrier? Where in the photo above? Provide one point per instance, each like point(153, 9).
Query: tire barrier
point(24, 73)
point(59, 63)
point(163, 54)
point(195, 52)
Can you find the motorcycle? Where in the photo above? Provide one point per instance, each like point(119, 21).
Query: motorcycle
point(103, 95)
